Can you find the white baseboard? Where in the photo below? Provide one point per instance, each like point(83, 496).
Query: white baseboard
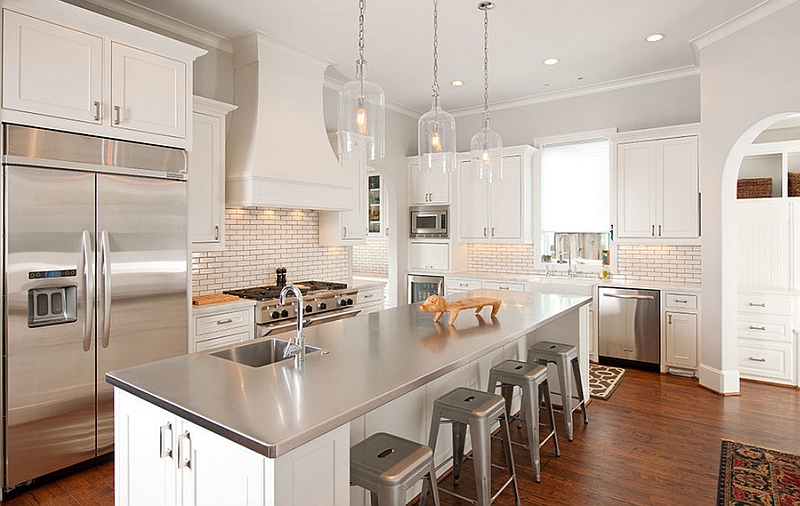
point(723, 382)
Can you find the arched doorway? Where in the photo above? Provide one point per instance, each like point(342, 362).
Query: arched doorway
point(729, 257)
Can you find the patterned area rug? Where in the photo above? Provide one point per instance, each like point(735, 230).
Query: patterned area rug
point(603, 380)
point(751, 475)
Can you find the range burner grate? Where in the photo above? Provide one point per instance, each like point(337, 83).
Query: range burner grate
point(260, 292)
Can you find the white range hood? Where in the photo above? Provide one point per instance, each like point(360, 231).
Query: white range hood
point(278, 153)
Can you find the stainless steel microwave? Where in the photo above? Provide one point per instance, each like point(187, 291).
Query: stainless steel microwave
point(429, 221)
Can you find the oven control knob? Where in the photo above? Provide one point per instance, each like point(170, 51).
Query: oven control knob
point(349, 302)
point(285, 313)
point(308, 308)
point(275, 315)
point(342, 302)
point(322, 305)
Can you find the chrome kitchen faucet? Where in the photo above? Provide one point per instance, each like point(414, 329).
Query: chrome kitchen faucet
point(298, 344)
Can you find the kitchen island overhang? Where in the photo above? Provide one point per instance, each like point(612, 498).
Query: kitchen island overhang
point(368, 361)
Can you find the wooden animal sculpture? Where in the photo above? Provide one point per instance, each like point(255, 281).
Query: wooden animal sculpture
point(437, 304)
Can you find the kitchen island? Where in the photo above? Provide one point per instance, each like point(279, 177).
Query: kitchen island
point(202, 429)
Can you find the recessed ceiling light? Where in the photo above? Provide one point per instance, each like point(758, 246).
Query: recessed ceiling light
point(655, 37)
point(580, 79)
point(550, 61)
point(457, 82)
point(545, 85)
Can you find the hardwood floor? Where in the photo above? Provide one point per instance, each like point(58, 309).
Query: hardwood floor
point(656, 441)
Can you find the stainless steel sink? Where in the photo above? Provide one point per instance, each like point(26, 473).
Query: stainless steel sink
point(259, 353)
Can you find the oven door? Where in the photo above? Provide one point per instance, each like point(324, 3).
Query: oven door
point(272, 329)
point(422, 287)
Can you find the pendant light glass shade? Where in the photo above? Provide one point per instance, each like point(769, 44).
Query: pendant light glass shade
point(486, 146)
point(437, 127)
point(362, 110)
point(362, 116)
point(486, 155)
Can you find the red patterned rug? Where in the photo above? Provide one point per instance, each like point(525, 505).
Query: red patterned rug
point(752, 475)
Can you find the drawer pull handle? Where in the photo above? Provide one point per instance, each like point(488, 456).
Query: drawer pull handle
point(224, 322)
point(681, 301)
point(753, 327)
point(369, 296)
point(503, 288)
point(754, 359)
point(756, 304)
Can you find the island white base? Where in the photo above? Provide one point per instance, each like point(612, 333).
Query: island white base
point(163, 459)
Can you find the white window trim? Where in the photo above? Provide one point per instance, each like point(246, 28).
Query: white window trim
point(538, 142)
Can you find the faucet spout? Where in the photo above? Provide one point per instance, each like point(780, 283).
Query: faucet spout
point(296, 346)
point(561, 240)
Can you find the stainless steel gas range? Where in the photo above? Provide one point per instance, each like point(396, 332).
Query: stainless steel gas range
point(323, 301)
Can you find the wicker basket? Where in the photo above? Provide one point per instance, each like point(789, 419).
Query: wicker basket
point(794, 184)
point(754, 188)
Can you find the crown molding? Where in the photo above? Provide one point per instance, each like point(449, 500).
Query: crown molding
point(335, 84)
point(733, 25)
point(628, 82)
point(164, 22)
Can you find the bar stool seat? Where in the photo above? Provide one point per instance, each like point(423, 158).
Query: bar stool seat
point(532, 379)
point(387, 465)
point(477, 409)
point(564, 356)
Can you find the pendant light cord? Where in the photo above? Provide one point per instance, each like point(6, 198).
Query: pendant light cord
point(485, 65)
point(361, 9)
point(435, 86)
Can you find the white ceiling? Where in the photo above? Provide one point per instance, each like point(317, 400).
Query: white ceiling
point(599, 41)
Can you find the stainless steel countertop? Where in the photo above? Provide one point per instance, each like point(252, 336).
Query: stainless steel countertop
point(372, 359)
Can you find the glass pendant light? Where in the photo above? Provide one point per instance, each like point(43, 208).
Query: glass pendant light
point(437, 127)
point(486, 146)
point(361, 119)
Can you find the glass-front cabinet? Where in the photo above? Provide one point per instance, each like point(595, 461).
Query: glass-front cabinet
point(375, 217)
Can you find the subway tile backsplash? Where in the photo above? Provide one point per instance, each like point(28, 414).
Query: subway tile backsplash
point(258, 241)
point(501, 258)
point(371, 258)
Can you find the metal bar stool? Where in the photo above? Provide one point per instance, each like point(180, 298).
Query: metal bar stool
point(462, 407)
point(532, 379)
point(387, 465)
point(562, 355)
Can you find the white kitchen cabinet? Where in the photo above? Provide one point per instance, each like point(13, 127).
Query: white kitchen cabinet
point(207, 175)
point(681, 329)
point(456, 284)
point(72, 69)
point(222, 324)
point(766, 339)
point(766, 251)
point(498, 212)
point(51, 69)
point(345, 228)
point(657, 188)
point(431, 187)
point(429, 256)
point(148, 91)
point(370, 300)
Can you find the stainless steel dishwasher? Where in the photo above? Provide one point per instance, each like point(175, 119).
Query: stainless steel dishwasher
point(630, 328)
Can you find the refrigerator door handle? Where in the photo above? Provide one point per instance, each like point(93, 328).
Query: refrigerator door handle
point(86, 245)
point(106, 273)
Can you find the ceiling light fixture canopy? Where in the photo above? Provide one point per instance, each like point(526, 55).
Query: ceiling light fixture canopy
point(486, 147)
point(362, 111)
point(437, 127)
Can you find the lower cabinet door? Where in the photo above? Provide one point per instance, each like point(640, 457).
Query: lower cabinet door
point(682, 339)
point(216, 471)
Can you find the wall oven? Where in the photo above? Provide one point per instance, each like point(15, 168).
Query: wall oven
point(421, 287)
point(429, 221)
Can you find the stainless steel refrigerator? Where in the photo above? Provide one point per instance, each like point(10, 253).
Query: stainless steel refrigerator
point(95, 279)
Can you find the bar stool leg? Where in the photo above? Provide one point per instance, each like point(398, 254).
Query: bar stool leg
point(392, 496)
point(432, 437)
point(576, 369)
point(509, 457)
point(507, 391)
point(531, 410)
point(544, 391)
point(434, 487)
point(373, 498)
point(459, 437)
point(481, 455)
point(565, 383)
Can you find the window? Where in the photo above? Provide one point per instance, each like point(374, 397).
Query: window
point(575, 202)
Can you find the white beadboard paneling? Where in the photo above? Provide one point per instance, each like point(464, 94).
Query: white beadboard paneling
point(765, 244)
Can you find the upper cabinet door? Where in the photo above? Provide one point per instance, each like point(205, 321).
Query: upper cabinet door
point(51, 70)
point(636, 189)
point(506, 201)
point(677, 176)
point(207, 182)
point(474, 205)
point(148, 92)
